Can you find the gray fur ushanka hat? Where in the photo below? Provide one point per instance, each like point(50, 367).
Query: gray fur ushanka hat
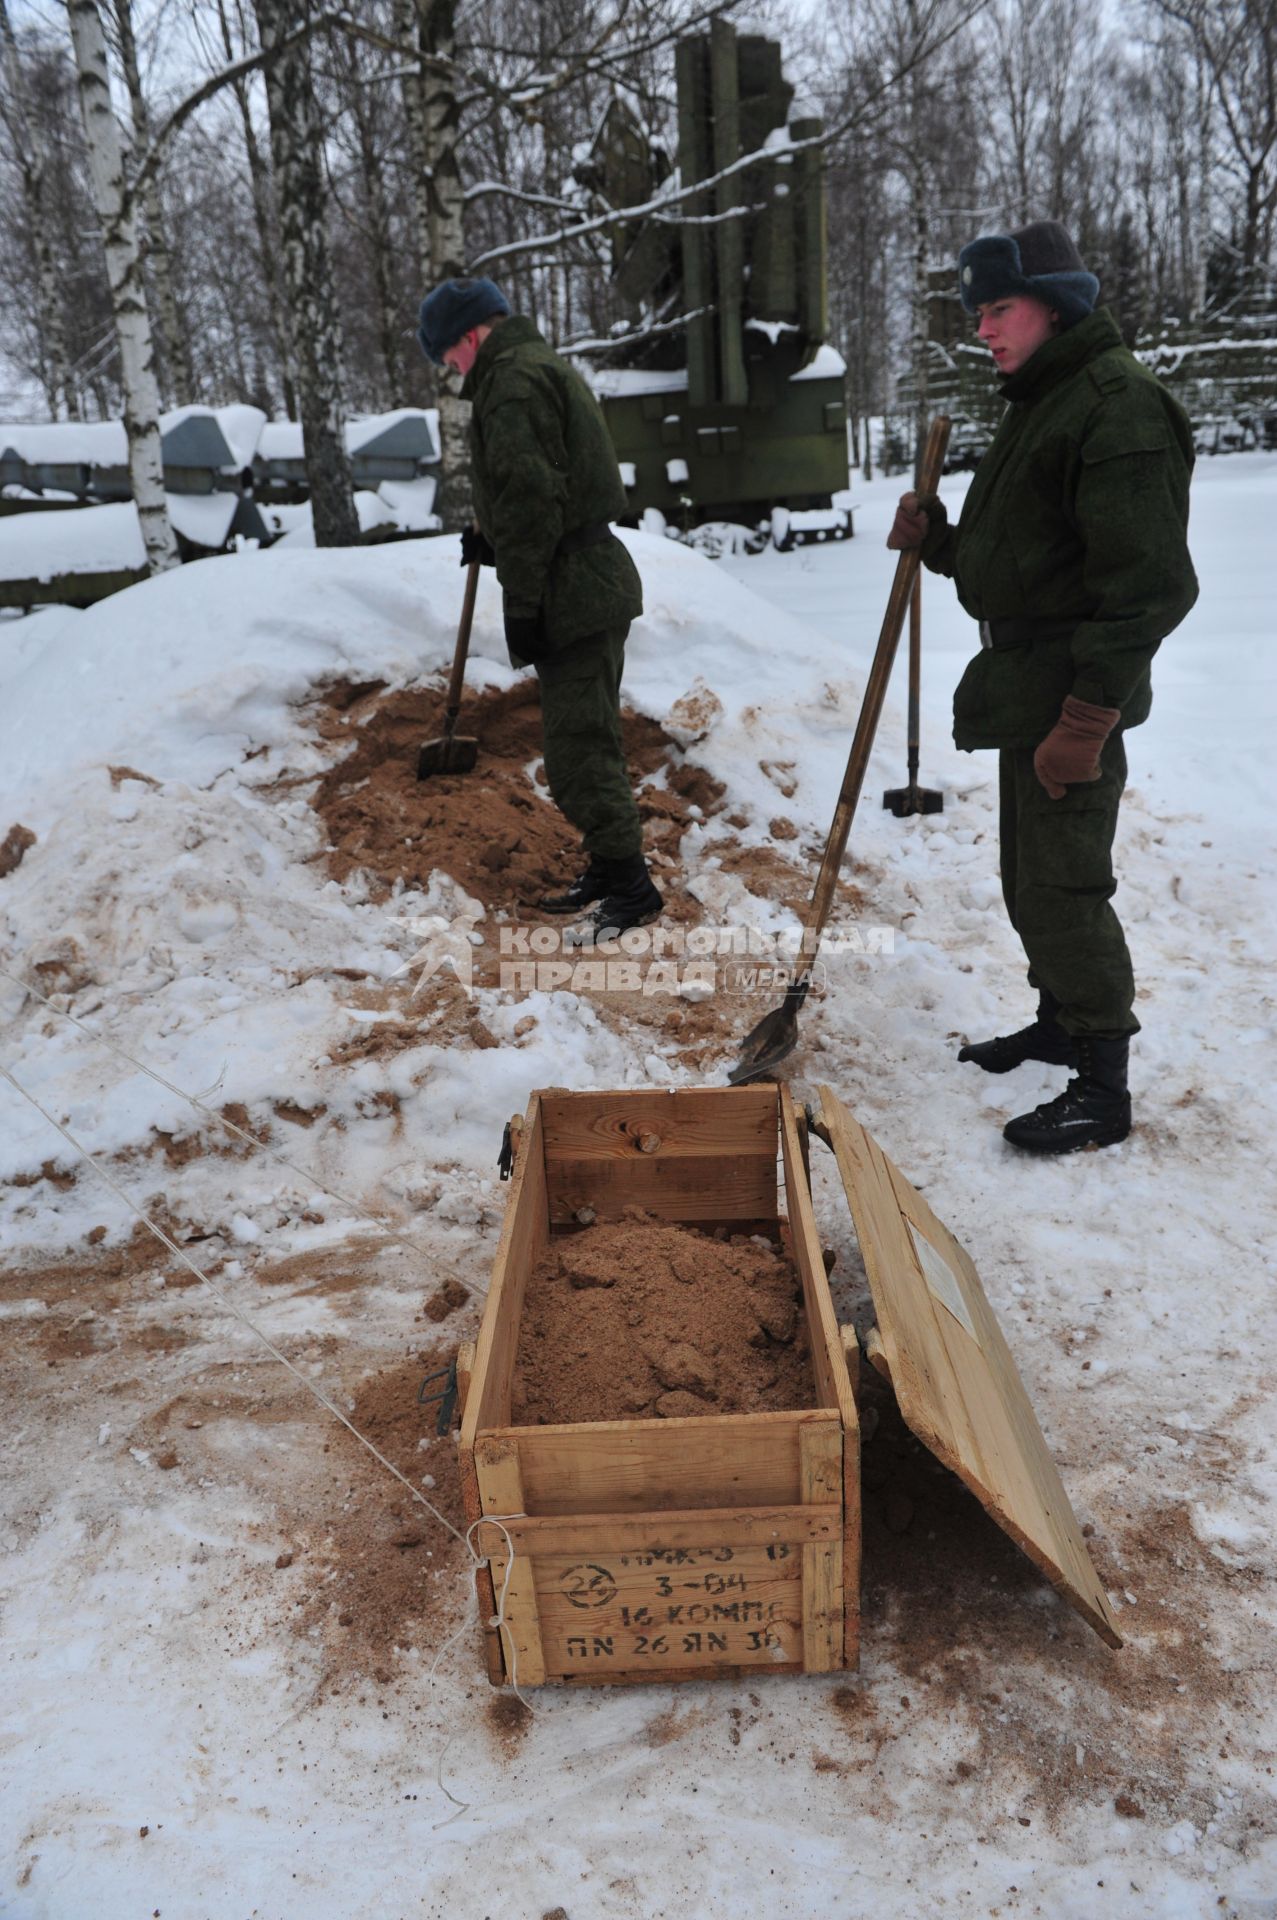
point(1040, 260)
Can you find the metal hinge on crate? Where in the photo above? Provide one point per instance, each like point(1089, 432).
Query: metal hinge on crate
point(511, 1134)
point(446, 1396)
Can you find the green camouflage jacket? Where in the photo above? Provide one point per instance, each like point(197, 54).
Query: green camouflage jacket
point(1074, 530)
point(543, 468)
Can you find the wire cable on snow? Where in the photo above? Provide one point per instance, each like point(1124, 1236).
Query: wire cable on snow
point(396, 1234)
point(180, 1253)
point(478, 1560)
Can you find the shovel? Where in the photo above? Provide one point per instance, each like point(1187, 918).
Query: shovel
point(903, 801)
point(454, 752)
point(776, 1034)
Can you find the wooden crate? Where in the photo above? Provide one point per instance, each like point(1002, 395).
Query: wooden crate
point(634, 1550)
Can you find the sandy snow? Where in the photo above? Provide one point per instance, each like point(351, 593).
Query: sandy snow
point(180, 1730)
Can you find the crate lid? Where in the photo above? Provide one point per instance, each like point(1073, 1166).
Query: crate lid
point(951, 1369)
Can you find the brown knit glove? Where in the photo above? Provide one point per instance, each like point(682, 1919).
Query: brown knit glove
point(914, 515)
point(1071, 751)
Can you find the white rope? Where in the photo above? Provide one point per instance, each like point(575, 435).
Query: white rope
point(479, 1562)
point(502, 1626)
point(180, 1253)
point(392, 1233)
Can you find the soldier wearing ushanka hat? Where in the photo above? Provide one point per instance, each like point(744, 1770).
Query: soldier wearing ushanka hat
point(1071, 552)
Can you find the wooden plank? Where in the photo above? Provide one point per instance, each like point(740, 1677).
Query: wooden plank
point(501, 1492)
point(852, 1524)
point(661, 1608)
point(524, 1233)
point(851, 1547)
point(739, 1526)
point(821, 1456)
point(713, 1121)
point(673, 1187)
point(671, 1676)
point(1016, 1451)
point(765, 1227)
point(851, 1354)
point(876, 1354)
point(471, 1500)
point(465, 1373)
point(833, 1386)
point(645, 1466)
point(958, 1389)
point(828, 1642)
point(804, 1142)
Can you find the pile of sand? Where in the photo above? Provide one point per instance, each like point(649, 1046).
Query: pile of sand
point(641, 1319)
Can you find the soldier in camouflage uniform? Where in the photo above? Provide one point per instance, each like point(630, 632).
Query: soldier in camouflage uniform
point(546, 487)
point(1071, 553)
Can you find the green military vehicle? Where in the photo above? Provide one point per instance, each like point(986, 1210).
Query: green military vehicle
point(726, 403)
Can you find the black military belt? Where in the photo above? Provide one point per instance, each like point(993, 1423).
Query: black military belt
point(1023, 631)
point(580, 538)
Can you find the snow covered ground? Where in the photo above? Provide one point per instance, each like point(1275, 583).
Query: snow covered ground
point(183, 1728)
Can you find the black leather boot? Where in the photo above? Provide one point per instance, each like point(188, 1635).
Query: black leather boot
point(1044, 1040)
point(583, 892)
point(629, 901)
point(1093, 1111)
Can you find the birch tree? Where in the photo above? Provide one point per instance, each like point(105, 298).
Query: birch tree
point(116, 212)
point(444, 251)
point(296, 151)
point(175, 364)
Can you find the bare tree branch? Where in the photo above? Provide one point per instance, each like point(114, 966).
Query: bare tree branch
point(660, 204)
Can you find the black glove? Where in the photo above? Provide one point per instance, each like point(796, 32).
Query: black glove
point(475, 546)
point(525, 637)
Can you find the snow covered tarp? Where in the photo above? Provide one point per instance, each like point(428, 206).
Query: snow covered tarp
point(196, 444)
point(387, 446)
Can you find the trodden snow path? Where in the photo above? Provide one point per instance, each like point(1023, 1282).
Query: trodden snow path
point(172, 1526)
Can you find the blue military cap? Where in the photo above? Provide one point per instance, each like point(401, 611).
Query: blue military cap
point(452, 309)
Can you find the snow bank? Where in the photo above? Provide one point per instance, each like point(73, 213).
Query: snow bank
point(182, 910)
point(105, 539)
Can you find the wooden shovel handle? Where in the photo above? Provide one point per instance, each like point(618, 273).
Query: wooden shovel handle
point(871, 706)
point(463, 639)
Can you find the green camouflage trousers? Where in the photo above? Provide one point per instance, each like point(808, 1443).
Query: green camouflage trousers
point(1058, 884)
point(581, 739)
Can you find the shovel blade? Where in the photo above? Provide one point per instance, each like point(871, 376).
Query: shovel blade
point(452, 753)
point(771, 1041)
point(903, 801)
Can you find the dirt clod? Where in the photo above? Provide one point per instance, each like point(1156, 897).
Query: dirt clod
point(12, 848)
point(445, 1299)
